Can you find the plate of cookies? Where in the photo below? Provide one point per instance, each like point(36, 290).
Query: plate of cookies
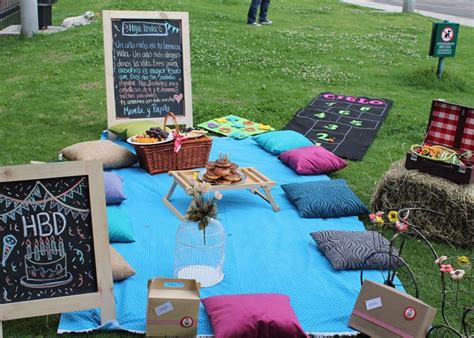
point(222, 171)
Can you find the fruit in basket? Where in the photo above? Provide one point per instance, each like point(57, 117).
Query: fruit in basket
point(191, 132)
point(158, 133)
point(144, 138)
point(152, 135)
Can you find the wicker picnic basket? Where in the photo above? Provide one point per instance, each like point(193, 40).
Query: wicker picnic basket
point(159, 158)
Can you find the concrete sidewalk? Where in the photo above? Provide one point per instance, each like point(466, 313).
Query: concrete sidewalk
point(398, 9)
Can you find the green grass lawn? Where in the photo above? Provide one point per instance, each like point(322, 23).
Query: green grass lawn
point(52, 88)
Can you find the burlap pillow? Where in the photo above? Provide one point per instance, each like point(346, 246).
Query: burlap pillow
point(120, 268)
point(112, 155)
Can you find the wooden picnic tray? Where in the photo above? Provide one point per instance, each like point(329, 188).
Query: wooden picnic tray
point(255, 182)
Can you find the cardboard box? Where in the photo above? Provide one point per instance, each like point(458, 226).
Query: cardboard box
point(452, 126)
point(382, 311)
point(173, 307)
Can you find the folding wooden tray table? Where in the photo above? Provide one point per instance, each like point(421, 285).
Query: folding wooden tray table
point(255, 182)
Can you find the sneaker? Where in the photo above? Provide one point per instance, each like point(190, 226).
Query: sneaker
point(266, 22)
point(254, 24)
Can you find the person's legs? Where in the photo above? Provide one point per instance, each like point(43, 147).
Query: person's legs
point(264, 10)
point(252, 14)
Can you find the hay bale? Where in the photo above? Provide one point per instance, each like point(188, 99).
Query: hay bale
point(401, 188)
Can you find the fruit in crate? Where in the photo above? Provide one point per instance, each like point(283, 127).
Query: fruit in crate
point(152, 135)
point(222, 171)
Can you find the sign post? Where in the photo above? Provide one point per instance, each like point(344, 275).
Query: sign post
point(147, 66)
point(444, 38)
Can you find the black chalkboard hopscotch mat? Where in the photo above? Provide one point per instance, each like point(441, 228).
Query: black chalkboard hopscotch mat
point(48, 237)
point(147, 65)
point(344, 125)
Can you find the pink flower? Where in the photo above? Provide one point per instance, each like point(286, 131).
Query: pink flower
point(401, 226)
point(441, 260)
point(446, 268)
point(379, 213)
point(457, 274)
point(372, 217)
point(202, 187)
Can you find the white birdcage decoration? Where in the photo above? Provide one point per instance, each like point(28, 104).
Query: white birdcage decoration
point(199, 254)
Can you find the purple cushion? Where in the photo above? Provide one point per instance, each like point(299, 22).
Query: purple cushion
point(253, 316)
point(113, 188)
point(312, 160)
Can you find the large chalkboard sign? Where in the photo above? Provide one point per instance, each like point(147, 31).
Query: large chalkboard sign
point(147, 65)
point(53, 240)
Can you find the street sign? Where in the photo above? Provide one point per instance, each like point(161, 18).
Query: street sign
point(444, 38)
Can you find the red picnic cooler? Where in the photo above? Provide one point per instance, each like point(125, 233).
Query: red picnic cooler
point(450, 133)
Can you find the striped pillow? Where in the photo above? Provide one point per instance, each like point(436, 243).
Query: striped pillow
point(349, 250)
point(324, 199)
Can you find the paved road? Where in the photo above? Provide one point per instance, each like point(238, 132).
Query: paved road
point(461, 8)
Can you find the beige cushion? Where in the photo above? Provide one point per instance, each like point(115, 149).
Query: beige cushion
point(112, 155)
point(120, 268)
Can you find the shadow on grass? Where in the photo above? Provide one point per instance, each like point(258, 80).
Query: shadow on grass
point(425, 78)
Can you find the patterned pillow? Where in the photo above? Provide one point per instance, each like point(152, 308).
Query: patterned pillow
point(324, 199)
point(349, 250)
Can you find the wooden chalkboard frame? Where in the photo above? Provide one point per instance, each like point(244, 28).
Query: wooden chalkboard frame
point(108, 17)
point(104, 297)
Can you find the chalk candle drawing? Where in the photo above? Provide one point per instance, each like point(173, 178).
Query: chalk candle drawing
point(47, 267)
point(9, 242)
point(45, 262)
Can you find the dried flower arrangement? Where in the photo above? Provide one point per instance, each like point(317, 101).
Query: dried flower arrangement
point(202, 209)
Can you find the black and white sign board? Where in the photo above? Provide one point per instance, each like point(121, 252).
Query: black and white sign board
point(344, 125)
point(147, 66)
point(53, 240)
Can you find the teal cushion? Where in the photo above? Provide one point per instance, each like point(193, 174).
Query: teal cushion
point(120, 227)
point(324, 199)
point(277, 142)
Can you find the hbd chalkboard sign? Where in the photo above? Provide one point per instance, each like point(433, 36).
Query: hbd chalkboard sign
point(53, 240)
point(147, 66)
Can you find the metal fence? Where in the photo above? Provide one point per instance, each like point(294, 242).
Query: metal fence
point(9, 13)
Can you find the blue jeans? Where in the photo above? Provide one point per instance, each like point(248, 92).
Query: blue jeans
point(252, 15)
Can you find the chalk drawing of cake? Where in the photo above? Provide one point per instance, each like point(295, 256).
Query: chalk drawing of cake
point(45, 264)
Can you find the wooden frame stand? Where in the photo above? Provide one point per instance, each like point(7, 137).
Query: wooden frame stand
point(255, 182)
point(62, 207)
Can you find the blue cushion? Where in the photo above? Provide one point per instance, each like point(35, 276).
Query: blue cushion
point(113, 188)
point(120, 227)
point(324, 199)
point(277, 142)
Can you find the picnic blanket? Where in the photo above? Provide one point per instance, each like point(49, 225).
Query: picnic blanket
point(345, 125)
point(265, 251)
